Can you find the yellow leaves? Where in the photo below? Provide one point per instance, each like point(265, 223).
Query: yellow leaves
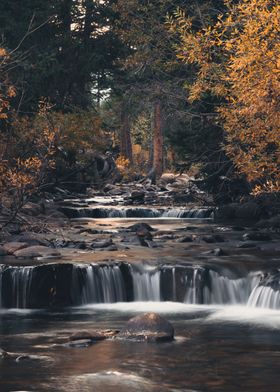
point(3, 52)
point(238, 60)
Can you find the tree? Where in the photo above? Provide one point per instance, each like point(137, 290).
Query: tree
point(154, 75)
point(68, 50)
point(237, 61)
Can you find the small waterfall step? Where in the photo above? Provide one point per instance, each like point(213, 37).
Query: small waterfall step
point(68, 284)
point(137, 212)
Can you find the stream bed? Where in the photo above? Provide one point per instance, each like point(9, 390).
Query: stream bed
point(225, 308)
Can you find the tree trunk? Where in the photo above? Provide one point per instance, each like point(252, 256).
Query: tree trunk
point(125, 139)
point(158, 140)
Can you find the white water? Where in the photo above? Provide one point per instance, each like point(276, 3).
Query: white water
point(193, 285)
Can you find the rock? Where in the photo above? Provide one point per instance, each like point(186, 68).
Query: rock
point(3, 354)
point(273, 223)
point(250, 211)
point(148, 327)
point(186, 238)
point(247, 211)
point(210, 239)
point(216, 252)
point(246, 245)
point(37, 251)
point(102, 244)
point(137, 195)
point(141, 226)
point(256, 236)
point(95, 335)
point(12, 247)
point(31, 239)
point(82, 343)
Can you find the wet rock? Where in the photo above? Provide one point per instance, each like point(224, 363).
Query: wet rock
point(12, 247)
point(148, 327)
point(102, 244)
point(3, 354)
point(82, 343)
point(216, 252)
point(95, 335)
point(246, 245)
point(186, 238)
point(141, 226)
point(111, 248)
point(137, 195)
point(211, 239)
point(37, 251)
point(256, 236)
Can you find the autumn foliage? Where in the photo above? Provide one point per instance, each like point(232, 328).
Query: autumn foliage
point(237, 60)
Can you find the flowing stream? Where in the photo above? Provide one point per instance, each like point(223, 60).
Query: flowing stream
point(226, 319)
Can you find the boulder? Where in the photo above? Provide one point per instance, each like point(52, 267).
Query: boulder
point(246, 211)
point(141, 226)
point(211, 239)
point(148, 327)
point(37, 251)
point(12, 247)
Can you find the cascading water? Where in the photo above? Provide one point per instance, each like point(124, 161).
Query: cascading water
point(146, 282)
point(74, 284)
point(100, 284)
point(21, 281)
point(138, 212)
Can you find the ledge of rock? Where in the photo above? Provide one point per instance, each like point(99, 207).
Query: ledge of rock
point(149, 327)
point(37, 251)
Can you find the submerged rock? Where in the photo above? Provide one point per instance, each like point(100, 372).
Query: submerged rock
point(148, 327)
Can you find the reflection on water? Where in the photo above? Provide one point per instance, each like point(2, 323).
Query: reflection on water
point(217, 349)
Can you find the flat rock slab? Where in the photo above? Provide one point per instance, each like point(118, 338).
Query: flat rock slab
point(37, 251)
point(12, 247)
point(149, 327)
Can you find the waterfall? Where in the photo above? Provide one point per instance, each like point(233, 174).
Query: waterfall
point(78, 284)
point(193, 213)
point(21, 281)
point(100, 284)
point(137, 212)
point(264, 297)
point(146, 282)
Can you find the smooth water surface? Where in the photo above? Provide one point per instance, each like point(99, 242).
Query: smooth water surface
point(217, 348)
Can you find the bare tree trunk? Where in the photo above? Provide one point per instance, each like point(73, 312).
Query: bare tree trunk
point(125, 139)
point(158, 140)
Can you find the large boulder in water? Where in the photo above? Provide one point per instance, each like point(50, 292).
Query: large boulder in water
point(149, 327)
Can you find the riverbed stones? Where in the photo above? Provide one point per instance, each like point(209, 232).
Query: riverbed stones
point(149, 327)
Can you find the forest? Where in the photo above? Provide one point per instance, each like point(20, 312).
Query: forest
point(180, 86)
point(139, 195)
